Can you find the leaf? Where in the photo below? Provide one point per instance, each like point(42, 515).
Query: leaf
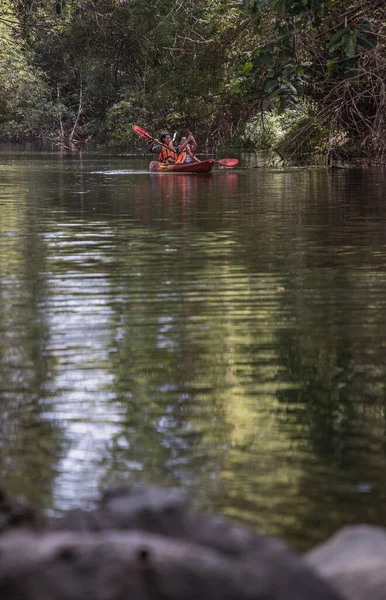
point(350, 44)
point(292, 88)
point(336, 40)
point(271, 85)
point(257, 94)
point(282, 9)
point(365, 42)
point(275, 93)
point(247, 67)
point(367, 26)
point(331, 64)
point(281, 105)
point(266, 58)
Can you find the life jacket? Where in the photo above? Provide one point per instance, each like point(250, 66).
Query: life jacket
point(181, 157)
point(167, 155)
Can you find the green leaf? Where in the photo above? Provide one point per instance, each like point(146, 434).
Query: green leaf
point(282, 9)
point(257, 94)
point(281, 105)
point(271, 85)
point(336, 40)
point(331, 64)
point(247, 67)
point(266, 59)
point(350, 44)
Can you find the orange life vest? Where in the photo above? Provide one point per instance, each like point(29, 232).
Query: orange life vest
point(182, 155)
point(167, 155)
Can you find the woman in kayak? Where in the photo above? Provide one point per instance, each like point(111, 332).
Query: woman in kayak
point(186, 149)
point(165, 149)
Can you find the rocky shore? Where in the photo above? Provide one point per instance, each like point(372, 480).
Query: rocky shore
point(144, 543)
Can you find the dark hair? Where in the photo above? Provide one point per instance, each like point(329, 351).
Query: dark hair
point(163, 136)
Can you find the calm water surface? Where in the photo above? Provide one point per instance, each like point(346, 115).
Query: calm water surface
point(222, 333)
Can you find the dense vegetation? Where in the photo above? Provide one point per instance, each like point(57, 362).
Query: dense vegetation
point(297, 75)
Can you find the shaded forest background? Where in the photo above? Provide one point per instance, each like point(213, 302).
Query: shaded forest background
point(305, 77)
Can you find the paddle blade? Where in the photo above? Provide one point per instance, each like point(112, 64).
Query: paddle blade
point(138, 130)
point(228, 162)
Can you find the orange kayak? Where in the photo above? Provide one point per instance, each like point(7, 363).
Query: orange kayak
point(196, 167)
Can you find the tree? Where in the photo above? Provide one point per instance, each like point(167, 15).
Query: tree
point(329, 51)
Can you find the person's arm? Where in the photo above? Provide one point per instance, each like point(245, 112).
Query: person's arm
point(182, 147)
point(194, 143)
point(156, 147)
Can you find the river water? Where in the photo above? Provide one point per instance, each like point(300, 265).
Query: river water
point(223, 333)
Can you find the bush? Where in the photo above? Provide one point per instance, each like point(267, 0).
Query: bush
point(296, 135)
point(119, 123)
point(28, 114)
point(266, 130)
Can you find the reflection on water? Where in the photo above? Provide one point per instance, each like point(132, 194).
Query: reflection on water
point(225, 333)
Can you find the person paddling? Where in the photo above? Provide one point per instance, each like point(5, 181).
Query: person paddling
point(165, 149)
point(186, 149)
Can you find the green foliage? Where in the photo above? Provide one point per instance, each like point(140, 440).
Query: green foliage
point(307, 140)
point(75, 67)
point(274, 69)
point(30, 122)
point(118, 124)
point(174, 59)
point(26, 109)
point(345, 38)
point(266, 130)
point(295, 134)
point(327, 51)
point(298, 13)
point(278, 68)
point(347, 42)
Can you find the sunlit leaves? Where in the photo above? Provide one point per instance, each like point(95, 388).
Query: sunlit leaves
point(247, 67)
point(22, 87)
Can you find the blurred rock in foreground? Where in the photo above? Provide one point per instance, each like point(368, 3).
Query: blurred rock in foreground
point(143, 543)
point(354, 562)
